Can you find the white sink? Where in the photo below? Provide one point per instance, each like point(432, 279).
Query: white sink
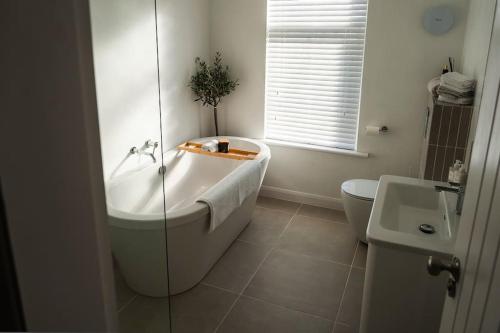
point(403, 204)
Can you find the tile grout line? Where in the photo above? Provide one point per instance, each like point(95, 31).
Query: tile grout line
point(249, 242)
point(227, 313)
point(341, 324)
point(217, 287)
point(306, 256)
point(351, 266)
point(286, 227)
point(273, 209)
point(323, 219)
point(237, 294)
point(298, 208)
point(127, 303)
point(242, 290)
point(277, 209)
point(437, 141)
point(271, 249)
point(458, 135)
point(345, 287)
point(254, 273)
point(249, 280)
point(443, 172)
point(296, 213)
point(287, 308)
point(273, 246)
point(267, 302)
point(358, 246)
point(468, 130)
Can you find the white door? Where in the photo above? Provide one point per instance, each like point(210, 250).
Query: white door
point(476, 306)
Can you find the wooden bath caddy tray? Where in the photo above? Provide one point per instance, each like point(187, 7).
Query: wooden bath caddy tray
point(235, 154)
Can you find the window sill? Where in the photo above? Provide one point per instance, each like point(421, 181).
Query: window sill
point(315, 148)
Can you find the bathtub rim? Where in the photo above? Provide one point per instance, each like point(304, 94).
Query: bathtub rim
point(177, 217)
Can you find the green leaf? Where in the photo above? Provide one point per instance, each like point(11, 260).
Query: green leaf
point(211, 82)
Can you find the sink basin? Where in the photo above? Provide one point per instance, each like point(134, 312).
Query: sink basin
point(402, 205)
point(398, 252)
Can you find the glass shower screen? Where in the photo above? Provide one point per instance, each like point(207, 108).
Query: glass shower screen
point(124, 38)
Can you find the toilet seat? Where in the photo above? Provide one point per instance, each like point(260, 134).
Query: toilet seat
point(363, 189)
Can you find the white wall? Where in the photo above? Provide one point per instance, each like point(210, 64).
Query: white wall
point(124, 41)
point(238, 30)
point(475, 51)
point(183, 35)
point(477, 41)
point(400, 59)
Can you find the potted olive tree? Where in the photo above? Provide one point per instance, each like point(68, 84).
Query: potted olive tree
point(212, 82)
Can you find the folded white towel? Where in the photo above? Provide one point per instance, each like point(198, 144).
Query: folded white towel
point(458, 81)
point(211, 146)
point(433, 85)
point(230, 192)
point(447, 89)
point(455, 100)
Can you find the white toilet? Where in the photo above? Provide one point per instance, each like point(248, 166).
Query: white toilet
point(358, 196)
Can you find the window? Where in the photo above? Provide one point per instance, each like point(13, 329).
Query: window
point(314, 63)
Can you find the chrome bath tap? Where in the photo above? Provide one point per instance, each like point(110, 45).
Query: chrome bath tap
point(143, 150)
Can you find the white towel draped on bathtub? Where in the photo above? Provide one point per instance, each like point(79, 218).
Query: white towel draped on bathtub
point(230, 192)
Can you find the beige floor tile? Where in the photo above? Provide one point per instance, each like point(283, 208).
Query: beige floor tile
point(340, 328)
point(200, 309)
point(360, 257)
point(266, 226)
point(145, 314)
point(277, 204)
point(255, 316)
point(320, 238)
point(350, 310)
point(303, 284)
point(323, 213)
point(234, 270)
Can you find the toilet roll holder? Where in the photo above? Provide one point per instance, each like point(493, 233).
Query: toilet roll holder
point(373, 130)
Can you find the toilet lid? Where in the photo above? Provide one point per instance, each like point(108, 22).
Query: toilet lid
point(361, 188)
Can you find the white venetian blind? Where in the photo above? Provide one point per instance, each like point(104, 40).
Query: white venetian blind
point(314, 63)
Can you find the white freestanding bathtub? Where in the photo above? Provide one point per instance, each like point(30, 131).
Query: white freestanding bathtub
point(139, 225)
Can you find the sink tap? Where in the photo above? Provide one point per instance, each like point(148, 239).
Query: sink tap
point(454, 188)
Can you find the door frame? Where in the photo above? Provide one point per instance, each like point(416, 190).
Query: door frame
point(51, 170)
point(478, 241)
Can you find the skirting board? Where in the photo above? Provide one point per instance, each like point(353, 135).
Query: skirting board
point(296, 196)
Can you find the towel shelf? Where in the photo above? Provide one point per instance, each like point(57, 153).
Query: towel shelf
point(235, 154)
